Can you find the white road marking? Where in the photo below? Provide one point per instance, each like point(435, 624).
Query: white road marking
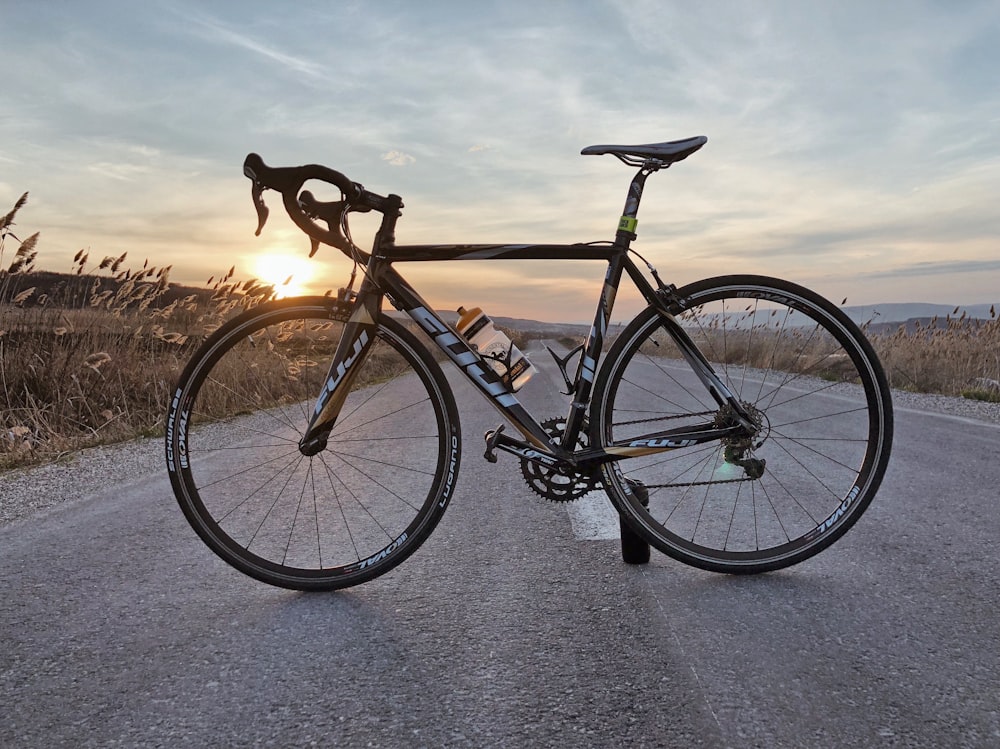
point(593, 518)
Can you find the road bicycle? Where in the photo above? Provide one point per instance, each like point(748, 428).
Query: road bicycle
point(739, 424)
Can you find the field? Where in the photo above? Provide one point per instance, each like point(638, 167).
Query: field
point(94, 361)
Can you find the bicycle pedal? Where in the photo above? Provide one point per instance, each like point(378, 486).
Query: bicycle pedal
point(492, 437)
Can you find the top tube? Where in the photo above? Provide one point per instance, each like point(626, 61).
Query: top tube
point(431, 252)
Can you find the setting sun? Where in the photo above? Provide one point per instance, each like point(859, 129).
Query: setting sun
point(289, 274)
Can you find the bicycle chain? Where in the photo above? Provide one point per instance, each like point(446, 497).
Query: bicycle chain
point(666, 418)
point(558, 487)
point(699, 483)
point(689, 483)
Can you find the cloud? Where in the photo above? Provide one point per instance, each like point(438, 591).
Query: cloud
point(398, 158)
point(845, 140)
point(218, 32)
point(122, 172)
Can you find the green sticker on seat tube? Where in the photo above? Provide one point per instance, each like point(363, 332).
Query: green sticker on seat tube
point(628, 223)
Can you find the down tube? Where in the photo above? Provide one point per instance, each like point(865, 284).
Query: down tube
point(405, 298)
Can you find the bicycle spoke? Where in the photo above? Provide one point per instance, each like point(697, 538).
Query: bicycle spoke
point(372, 420)
point(361, 505)
point(243, 471)
point(248, 428)
point(343, 454)
point(295, 517)
point(340, 506)
point(375, 481)
point(267, 514)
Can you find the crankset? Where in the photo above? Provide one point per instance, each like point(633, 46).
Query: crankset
point(553, 484)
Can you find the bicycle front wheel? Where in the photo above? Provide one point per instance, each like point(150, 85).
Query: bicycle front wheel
point(815, 391)
point(338, 518)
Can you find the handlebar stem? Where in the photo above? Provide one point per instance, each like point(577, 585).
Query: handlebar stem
point(391, 210)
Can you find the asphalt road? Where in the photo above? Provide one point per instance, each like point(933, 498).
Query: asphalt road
point(513, 627)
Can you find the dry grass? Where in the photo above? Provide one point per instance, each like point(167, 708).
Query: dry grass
point(957, 356)
point(80, 372)
point(954, 356)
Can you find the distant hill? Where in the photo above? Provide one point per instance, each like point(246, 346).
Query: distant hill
point(68, 290)
point(882, 318)
point(914, 324)
point(901, 312)
point(528, 326)
point(891, 314)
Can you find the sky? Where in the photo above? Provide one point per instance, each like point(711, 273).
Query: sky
point(854, 147)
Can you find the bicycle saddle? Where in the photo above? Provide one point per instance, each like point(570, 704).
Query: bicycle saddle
point(669, 152)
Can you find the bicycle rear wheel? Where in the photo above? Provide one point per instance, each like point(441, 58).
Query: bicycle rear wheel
point(345, 515)
point(811, 382)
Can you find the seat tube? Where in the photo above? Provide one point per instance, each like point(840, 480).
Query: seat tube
point(587, 368)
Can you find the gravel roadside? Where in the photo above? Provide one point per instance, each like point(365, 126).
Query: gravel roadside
point(27, 492)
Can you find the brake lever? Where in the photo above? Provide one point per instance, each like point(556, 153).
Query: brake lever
point(257, 193)
point(306, 201)
point(331, 213)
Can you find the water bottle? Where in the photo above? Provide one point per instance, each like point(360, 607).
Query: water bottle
point(496, 348)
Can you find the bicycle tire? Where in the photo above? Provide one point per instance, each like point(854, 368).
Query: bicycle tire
point(354, 510)
point(815, 386)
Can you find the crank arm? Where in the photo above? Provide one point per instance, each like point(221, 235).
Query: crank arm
point(497, 440)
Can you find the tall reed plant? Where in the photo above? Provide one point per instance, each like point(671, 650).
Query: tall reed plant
point(92, 363)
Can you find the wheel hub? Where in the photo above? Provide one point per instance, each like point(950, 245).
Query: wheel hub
point(315, 445)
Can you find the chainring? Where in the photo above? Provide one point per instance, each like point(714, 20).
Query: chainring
point(553, 485)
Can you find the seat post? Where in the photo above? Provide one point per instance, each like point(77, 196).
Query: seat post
point(628, 222)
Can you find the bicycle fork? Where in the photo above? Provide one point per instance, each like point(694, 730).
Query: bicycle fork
point(355, 343)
